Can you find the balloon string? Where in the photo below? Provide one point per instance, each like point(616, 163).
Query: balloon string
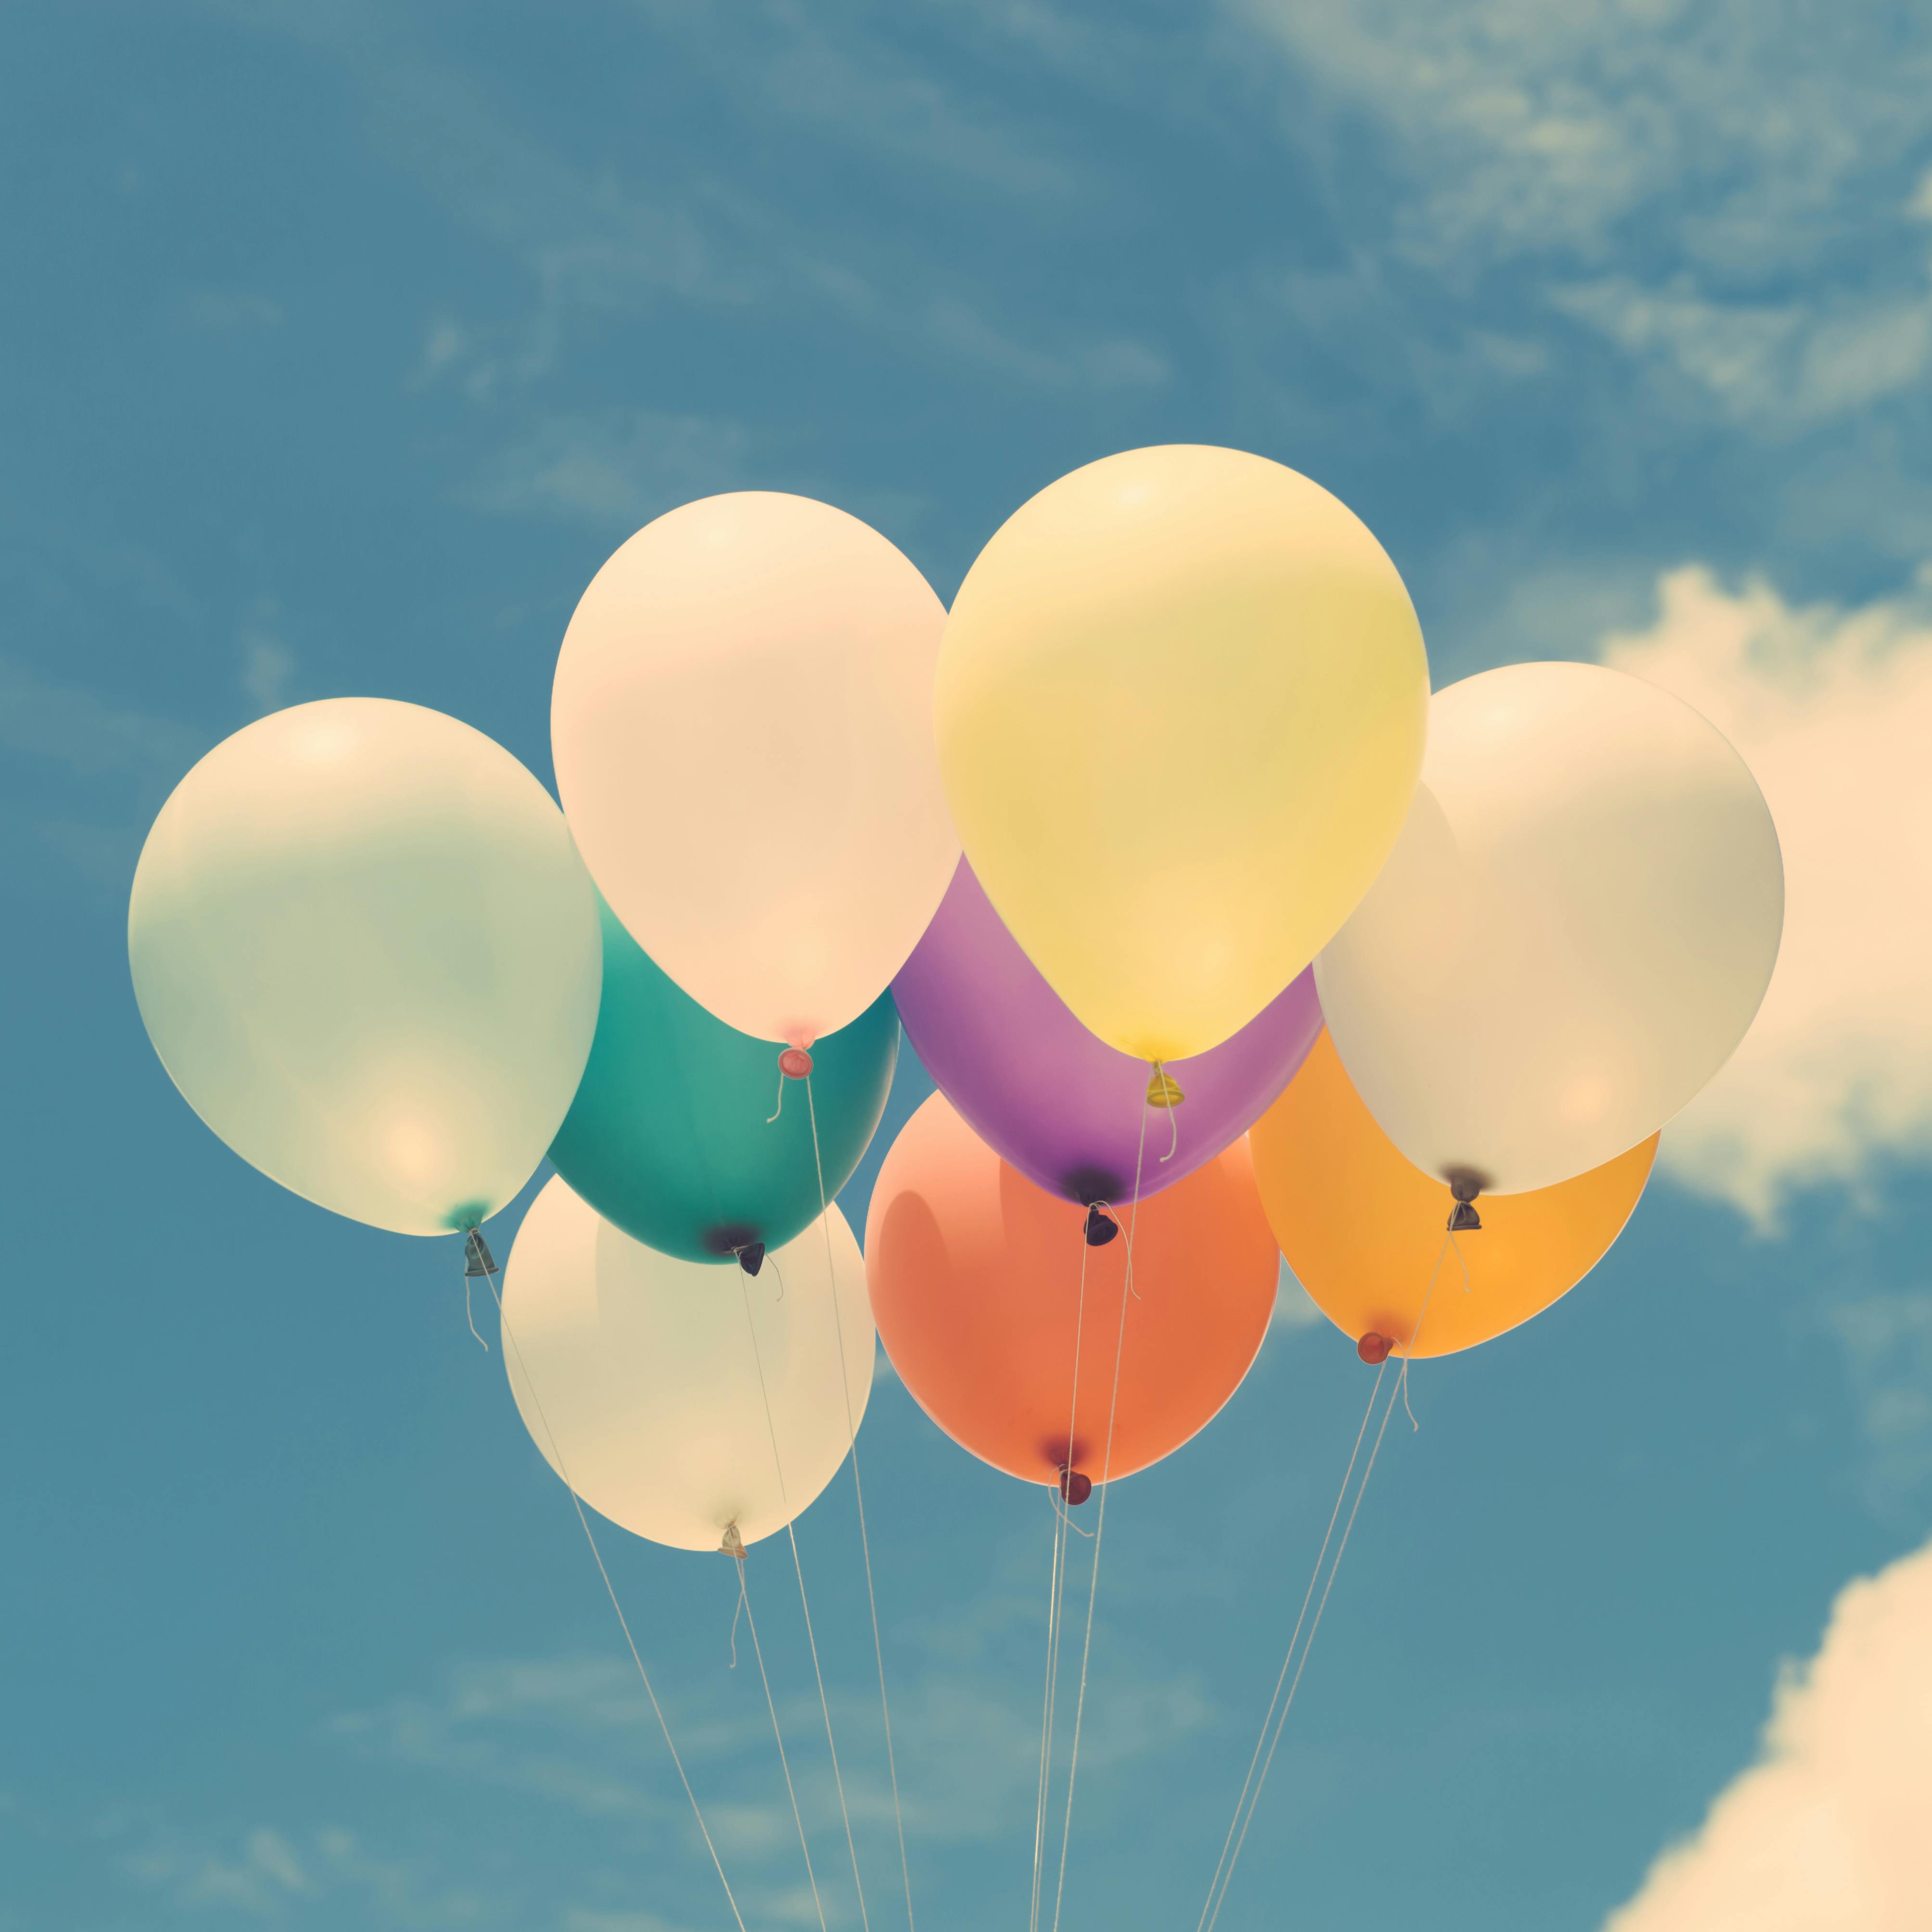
point(469, 1313)
point(1053, 1597)
point(1308, 1597)
point(783, 1076)
point(751, 1624)
point(1064, 1522)
point(549, 1436)
point(859, 1494)
point(1341, 1551)
point(757, 1356)
point(1065, 1516)
point(1414, 1334)
point(1100, 1527)
point(1223, 1877)
point(737, 1611)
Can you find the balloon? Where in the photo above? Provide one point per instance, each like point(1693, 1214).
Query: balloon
point(645, 1380)
point(1180, 706)
point(1061, 1106)
point(742, 726)
point(670, 1136)
point(1363, 1227)
point(367, 954)
point(1572, 934)
point(977, 1280)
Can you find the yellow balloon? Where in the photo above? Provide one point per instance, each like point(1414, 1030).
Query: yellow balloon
point(1181, 705)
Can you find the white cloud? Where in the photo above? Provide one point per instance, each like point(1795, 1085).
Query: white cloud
point(1827, 1831)
point(1832, 709)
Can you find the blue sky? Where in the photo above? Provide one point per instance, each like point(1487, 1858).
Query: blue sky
point(342, 342)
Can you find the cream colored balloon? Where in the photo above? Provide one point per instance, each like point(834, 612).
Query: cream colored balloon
point(369, 956)
point(1572, 935)
point(645, 1380)
point(742, 723)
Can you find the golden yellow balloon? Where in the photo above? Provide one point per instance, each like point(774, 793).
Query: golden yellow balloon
point(1181, 705)
point(1362, 1226)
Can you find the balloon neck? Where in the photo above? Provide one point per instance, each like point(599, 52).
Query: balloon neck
point(751, 1257)
point(795, 1062)
point(733, 1544)
point(1163, 1090)
point(477, 1258)
point(1465, 1184)
point(1075, 1488)
point(1374, 1348)
point(1101, 1226)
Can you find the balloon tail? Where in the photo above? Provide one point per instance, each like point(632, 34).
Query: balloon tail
point(859, 1497)
point(477, 1259)
point(780, 1108)
point(1465, 1184)
point(610, 1590)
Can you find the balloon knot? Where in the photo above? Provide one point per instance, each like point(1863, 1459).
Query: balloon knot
point(1163, 1090)
point(477, 1258)
point(751, 1257)
point(733, 1544)
point(1101, 1226)
point(1075, 1488)
point(795, 1063)
point(1465, 1184)
point(1374, 1348)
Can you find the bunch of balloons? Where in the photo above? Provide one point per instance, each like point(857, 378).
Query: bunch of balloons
point(1179, 720)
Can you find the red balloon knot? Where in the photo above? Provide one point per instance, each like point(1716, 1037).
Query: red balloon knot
point(1074, 1487)
point(794, 1062)
point(1374, 1348)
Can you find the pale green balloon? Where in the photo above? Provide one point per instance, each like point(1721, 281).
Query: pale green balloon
point(368, 954)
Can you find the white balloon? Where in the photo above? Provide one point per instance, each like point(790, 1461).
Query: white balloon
point(368, 956)
point(679, 1398)
point(1572, 935)
point(742, 728)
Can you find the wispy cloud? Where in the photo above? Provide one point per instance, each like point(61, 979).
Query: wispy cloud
point(315, 1876)
point(1826, 1832)
point(1727, 193)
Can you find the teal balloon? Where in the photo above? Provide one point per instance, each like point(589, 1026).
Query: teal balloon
point(669, 1138)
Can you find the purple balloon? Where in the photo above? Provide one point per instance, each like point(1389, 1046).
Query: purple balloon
point(1050, 1098)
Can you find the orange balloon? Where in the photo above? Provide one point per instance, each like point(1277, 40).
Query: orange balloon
point(976, 1275)
point(1362, 1228)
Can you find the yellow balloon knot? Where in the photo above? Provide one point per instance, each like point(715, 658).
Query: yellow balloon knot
point(1163, 1090)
